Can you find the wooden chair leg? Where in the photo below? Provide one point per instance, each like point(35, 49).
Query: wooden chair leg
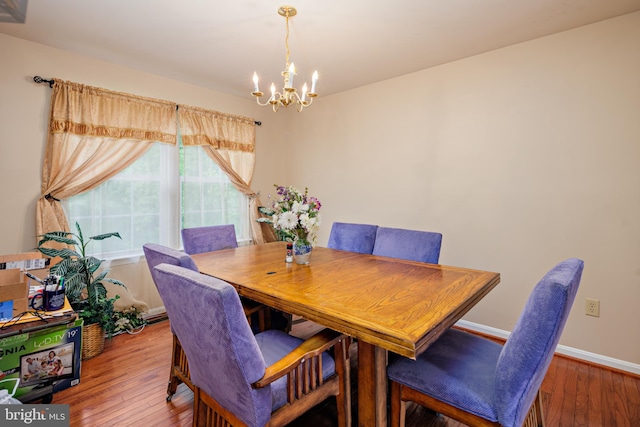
point(398, 406)
point(172, 386)
point(179, 372)
point(197, 409)
point(174, 380)
point(343, 399)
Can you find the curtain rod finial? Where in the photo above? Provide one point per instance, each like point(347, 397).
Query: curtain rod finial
point(39, 79)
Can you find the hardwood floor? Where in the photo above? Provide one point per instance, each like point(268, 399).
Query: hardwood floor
point(126, 386)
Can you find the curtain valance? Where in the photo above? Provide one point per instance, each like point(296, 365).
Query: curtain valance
point(90, 111)
point(221, 131)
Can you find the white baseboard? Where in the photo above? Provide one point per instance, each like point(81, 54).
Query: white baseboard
point(155, 312)
point(561, 349)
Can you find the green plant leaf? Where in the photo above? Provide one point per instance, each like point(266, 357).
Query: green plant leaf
point(105, 236)
point(114, 281)
point(62, 253)
point(266, 210)
point(92, 264)
point(57, 237)
point(84, 284)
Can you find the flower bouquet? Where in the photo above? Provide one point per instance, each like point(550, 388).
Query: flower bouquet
point(295, 217)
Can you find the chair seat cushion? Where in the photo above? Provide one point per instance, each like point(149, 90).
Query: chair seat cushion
point(458, 369)
point(274, 345)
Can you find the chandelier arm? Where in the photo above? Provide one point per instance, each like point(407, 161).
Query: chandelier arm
point(261, 104)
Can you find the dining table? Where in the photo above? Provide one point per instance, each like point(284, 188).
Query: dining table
point(386, 304)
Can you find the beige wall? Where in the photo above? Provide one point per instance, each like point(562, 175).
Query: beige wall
point(521, 157)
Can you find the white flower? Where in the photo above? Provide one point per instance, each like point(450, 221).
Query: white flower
point(296, 207)
point(288, 221)
point(306, 221)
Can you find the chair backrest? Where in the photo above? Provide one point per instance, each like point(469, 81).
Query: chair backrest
point(159, 254)
point(211, 238)
point(224, 357)
point(412, 245)
point(352, 237)
point(525, 357)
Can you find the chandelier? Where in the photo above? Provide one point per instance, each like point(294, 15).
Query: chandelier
point(288, 95)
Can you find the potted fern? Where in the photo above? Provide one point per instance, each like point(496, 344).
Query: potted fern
point(84, 284)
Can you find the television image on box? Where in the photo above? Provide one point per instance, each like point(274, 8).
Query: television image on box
point(47, 366)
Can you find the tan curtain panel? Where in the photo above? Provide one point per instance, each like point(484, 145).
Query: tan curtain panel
point(230, 142)
point(94, 134)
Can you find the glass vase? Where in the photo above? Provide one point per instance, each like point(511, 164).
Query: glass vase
point(302, 251)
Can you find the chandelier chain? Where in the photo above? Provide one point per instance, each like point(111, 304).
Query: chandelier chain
point(286, 42)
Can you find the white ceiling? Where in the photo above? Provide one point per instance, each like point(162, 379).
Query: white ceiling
point(218, 44)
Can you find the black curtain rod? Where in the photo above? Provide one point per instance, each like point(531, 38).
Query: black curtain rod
point(51, 82)
point(39, 79)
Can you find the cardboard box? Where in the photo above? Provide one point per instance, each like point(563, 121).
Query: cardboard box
point(14, 285)
point(24, 261)
point(27, 360)
point(14, 290)
point(20, 306)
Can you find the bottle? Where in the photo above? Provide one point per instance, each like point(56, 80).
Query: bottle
point(289, 257)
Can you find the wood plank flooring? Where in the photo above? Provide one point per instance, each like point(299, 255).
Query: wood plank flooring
point(126, 386)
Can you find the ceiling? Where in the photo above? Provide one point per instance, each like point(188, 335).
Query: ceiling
point(219, 44)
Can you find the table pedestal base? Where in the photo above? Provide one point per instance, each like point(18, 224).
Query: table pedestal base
point(372, 385)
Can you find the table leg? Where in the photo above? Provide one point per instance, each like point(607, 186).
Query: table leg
point(372, 385)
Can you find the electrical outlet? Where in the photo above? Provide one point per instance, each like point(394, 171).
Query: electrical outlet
point(592, 307)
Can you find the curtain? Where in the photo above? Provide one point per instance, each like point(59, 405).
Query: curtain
point(230, 142)
point(94, 134)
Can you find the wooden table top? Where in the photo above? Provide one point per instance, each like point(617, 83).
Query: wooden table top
point(401, 306)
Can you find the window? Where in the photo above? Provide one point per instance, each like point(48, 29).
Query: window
point(208, 197)
point(141, 203)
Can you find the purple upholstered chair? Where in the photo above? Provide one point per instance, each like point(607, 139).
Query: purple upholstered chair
point(211, 238)
point(479, 382)
point(352, 237)
point(198, 240)
point(412, 245)
point(235, 373)
point(159, 254)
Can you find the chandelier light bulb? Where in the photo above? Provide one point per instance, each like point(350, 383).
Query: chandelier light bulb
point(255, 82)
point(314, 80)
point(292, 72)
